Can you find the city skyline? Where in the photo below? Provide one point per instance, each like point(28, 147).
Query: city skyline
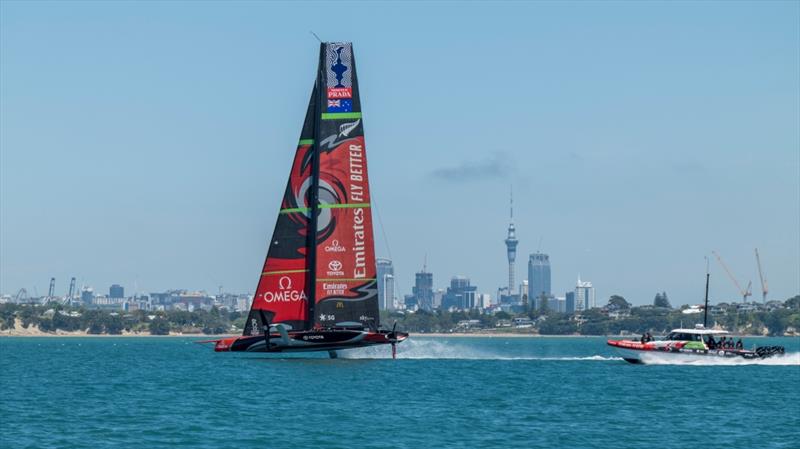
point(538, 277)
point(638, 139)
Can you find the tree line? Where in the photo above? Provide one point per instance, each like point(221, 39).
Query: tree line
point(657, 319)
point(51, 318)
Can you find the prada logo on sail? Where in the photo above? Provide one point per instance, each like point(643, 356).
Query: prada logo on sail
point(285, 292)
point(340, 92)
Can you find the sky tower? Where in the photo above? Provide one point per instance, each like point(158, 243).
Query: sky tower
point(511, 248)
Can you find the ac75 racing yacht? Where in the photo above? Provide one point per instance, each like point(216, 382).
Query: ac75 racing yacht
point(318, 288)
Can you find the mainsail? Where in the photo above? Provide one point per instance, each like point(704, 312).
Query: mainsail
point(328, 189)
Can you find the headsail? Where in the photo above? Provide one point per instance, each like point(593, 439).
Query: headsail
point(339, 259)
point(346, 288)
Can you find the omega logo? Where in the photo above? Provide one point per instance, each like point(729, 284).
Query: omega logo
point(334, 247)
point(285, 294)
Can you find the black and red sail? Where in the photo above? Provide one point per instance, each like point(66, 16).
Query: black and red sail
point(328, 277)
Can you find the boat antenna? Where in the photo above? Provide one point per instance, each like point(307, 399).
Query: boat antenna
point(315, 35)
point(705, 309)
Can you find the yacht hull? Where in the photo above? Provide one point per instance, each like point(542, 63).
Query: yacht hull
point(666, 352)
point(307, 341)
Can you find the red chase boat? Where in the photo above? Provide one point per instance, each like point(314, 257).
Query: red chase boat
point(688, 345)
point(318, 289)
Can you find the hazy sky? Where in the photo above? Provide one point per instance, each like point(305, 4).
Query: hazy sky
point(149, 144)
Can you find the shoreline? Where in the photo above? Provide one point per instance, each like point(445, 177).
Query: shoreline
point(39, 334)
point(33, 331)
point(6, 334)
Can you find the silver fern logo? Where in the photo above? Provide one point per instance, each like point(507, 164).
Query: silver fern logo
point(334, 140)
point(346, 128)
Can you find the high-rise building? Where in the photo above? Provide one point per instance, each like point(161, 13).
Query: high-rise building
point(87, 295)
point(539, 275)
point(511, 249)
point(460, 294)
point(557, 304)
point(116, 291)
point(437, 298)
point(385, 271)
point(423, 290)
point(562, 305)
point(584, 296)
point(409, 302)
point(569, 306)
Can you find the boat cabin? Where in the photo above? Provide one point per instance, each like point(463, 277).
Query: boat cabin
point(693, 334)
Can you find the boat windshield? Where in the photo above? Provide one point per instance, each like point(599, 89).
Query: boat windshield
point(681, 336)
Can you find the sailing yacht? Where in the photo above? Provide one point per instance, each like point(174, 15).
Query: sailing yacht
point(318, 289)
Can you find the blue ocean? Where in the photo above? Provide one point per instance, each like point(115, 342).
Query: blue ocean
point(106, 392)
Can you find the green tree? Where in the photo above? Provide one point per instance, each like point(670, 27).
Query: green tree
point(661, 300)
point(543, 304)
point(594, 328)
point(558, 324)
point(8, 314)
point(617, 302)
point(502, 315)
point(159, 326)
point(114, 325)
point(777, 321)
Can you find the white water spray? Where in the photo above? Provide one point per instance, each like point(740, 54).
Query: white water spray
point(790, 359)
point(439, 350)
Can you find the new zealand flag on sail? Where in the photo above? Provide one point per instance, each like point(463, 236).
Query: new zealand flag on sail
point(340, 105)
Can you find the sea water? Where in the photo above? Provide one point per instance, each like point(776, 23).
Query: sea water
point(129, 392)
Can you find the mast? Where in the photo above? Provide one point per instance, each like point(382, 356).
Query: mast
point(314, 193)
point(705, 309)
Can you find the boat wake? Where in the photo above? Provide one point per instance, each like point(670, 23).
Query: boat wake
point(790, 359)
point(436, 350)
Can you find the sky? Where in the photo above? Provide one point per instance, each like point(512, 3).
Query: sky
point(148, 144)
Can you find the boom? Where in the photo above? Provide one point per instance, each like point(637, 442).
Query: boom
point(744, 293)
point(764, 286)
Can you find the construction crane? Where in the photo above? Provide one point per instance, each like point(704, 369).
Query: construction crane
point(51, 293)
point(743, 292)
point(71, 294)
point(22, 296)
point(764, 286)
